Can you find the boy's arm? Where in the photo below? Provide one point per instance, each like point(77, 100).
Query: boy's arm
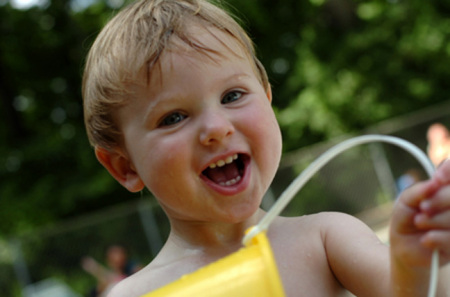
point(358, 259)
point(420, 223)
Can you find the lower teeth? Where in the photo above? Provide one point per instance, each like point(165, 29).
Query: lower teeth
point(231, 182)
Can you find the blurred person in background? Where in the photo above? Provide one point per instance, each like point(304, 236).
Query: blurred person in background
point(118, 267)
point(438, 138)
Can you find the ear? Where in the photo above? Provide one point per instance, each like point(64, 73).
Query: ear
point(269, 93)
point(120, 167)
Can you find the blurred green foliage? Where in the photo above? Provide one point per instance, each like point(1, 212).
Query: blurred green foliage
point(336, 66)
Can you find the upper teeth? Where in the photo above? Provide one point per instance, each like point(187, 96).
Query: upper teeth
point(221, 163)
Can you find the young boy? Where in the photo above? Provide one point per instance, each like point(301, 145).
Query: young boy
point(176, 101)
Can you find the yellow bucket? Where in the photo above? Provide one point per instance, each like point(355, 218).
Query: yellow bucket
point(250, 270)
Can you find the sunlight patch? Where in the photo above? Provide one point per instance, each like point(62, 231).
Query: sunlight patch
point(26, 4)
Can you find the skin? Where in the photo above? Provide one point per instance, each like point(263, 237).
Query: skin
point(195, 111)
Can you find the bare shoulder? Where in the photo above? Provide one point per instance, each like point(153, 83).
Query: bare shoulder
point(155, 275)
point(138, 284)
point(339, 233)
point(323, 222)
point(329, 251)
point(339, 228)
point(325, 233)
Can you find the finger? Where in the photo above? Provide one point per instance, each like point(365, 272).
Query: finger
point(437, 239)
point(407, 207)
point(439, 202)
point(424, 221)
point(415, 194)
point(442, 174)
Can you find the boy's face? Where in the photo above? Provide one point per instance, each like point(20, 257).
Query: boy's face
point(195, 114)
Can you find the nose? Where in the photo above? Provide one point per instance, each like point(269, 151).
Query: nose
point(215, 128)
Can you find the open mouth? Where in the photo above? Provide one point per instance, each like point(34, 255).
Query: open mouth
point(227, 172)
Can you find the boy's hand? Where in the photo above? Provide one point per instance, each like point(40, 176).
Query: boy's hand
point(421, 222)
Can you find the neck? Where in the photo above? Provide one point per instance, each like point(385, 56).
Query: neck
point(207, 236)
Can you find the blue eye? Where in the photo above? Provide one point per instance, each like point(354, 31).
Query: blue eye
point(172, 119)
point(231, 97)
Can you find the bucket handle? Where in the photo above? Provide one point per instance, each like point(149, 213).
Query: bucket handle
point(321, 161)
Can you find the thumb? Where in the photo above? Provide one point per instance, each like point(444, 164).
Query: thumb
point(442, 174)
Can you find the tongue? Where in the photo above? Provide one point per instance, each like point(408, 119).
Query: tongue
point(222, 174)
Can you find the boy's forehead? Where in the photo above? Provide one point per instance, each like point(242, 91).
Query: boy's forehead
point(200, 45)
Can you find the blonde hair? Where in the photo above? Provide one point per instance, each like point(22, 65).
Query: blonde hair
point(135, 38)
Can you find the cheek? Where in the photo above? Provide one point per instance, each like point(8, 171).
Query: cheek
point(272, 143)
point(261, 127)
point(164, 165)
point(262, 124)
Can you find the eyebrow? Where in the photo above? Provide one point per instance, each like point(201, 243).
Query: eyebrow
point(159, 99)
point(155, 104)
